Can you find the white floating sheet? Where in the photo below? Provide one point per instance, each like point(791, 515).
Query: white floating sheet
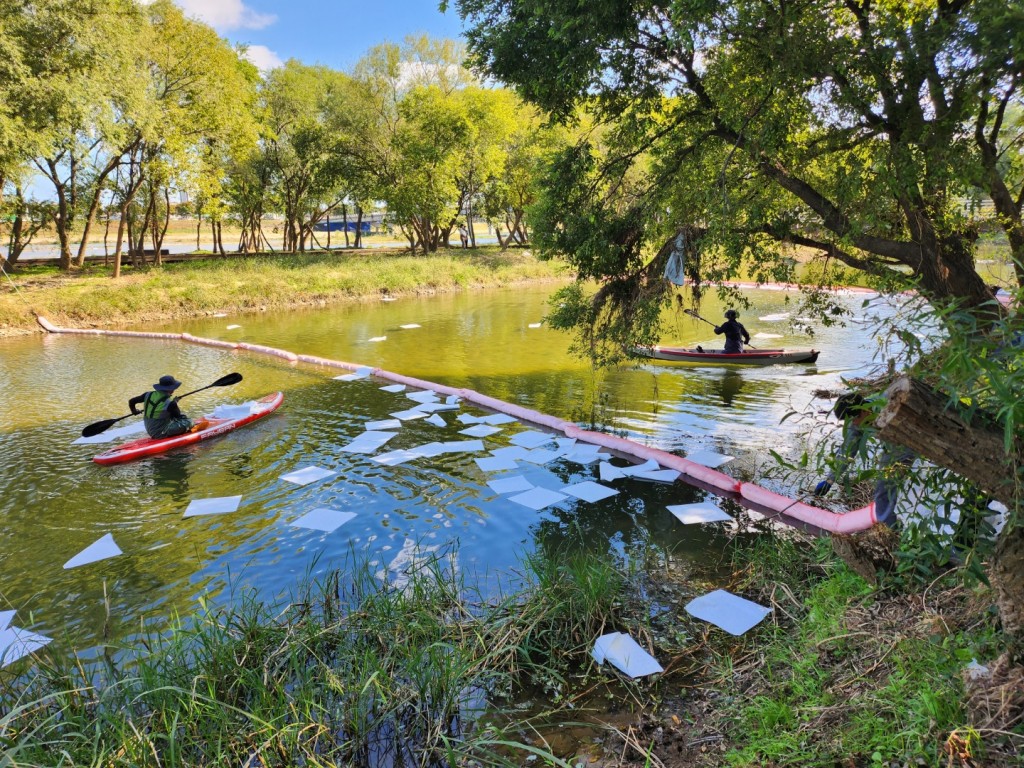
point(497, 419)
point(423, 396)
point(16, 643)
point(408, 415)
point(623, 652)
point(530, 439)
point(709, 458)
point(496, 464)
point(233, 327)
point(237, 411)
point(767, 335)
point(219, 314)
point(436, 420)
point(368, 442)
point(378, 338)
point(217, 505)
point(566, 443)
point(513, 452)
point(659, 475)
point(534, 325)
point(430, 449)
point(735, 614)
point(701, 512)
point(583, 457)
point(634, 469)
point(307, 475)
point(101, 549)
point(324, 519)
point(382, 426)
point(540, 456)
point(514, 484)
point(538, 498)
point(396, 457)
point(588, 490)
point(410, 326)
point(393, 388)
point(434, 407)
point(452, 400)
point(609, 472)
point(775, 318)
point(480, 430)
point(467, 418)
point(112, 434)
point(6, 617)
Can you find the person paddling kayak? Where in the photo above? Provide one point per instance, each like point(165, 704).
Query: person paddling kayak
point(735, 334)
point(161, 414)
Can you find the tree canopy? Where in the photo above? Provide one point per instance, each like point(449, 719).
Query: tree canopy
point(868, 132)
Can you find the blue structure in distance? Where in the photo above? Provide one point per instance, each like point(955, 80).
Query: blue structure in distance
point(341, 226)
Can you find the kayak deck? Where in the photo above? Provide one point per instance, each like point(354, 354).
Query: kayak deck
point(719, 357)
point(148, 446)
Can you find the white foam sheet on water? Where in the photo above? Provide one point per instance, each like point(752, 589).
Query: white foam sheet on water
point(410, 326)
point(434, 407)
point(324, 519)
point(394, 458)
point(480, 430)
point(368, 442)
point(701, 512)
point(101, 549)
point(735, 614)
point(767, 335)
point(541, 456)
point(623, 652)
point(452, 400)
point(588, 490)
point(423, 396)
point(16, 643)
point(530, 439)
point(776, 318)
point(497, 419)
point(408, 415)
point(307, 475)
point(634, 469)
point(709, 458)
point(496, 464)
point(584, 457)
point(514, 484)
point(233, 327)
point(436, 420)
point(112, 434)
point(6, 617)
point(659, 475)
point(513, 452)
point(378, 338)
point(467, 418)
point(393, 388)
point(463, 446)
point(217, 505)
point(609, 472)
point(412, 559)
point(538, 498)
point(534, 325)
point(382, 426)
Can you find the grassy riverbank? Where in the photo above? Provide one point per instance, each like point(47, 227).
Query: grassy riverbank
point(357, 673)
point(90, 297)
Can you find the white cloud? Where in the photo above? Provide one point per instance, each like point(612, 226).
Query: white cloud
point(264, 58)
point(225, 15)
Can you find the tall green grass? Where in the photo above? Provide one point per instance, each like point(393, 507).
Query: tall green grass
point(352, 671)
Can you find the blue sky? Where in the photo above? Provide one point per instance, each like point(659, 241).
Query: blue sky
point(332, 32)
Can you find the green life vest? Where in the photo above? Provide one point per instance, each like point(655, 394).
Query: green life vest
point(156, 405)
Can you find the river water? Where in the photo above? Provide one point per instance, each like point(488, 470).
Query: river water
point(55, 501)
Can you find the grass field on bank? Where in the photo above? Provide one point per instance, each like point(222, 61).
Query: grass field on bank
point(237, 284)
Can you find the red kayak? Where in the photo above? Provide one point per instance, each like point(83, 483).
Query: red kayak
point(718, 357)
point(215, 426)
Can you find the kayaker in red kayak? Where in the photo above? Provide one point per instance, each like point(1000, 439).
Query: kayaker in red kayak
point(735, 334)
point(161, 414)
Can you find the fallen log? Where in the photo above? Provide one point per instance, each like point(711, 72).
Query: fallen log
point(917, 417)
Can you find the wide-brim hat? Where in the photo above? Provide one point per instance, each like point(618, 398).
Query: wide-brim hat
point(167, 384)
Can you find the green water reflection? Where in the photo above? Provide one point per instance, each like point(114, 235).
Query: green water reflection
point(56, 501)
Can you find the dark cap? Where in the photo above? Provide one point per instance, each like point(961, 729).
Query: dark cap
point(167, 384)
point(849, 404)
point(731, 314)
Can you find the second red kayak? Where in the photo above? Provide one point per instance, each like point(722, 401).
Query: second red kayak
point(718, 357)
point(148, 446)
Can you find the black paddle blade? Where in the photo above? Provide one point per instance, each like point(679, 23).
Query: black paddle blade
point(99, 426)
point(227, 381)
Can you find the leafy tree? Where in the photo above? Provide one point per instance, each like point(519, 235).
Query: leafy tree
point(853, 128)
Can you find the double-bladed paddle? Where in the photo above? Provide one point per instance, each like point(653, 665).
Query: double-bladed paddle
point(693, 313)
point(103, 426)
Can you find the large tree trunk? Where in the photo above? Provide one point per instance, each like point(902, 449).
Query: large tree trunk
point(918, 418)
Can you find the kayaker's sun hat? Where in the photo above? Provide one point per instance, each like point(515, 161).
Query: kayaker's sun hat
point(167, 384)
point(731, 314)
